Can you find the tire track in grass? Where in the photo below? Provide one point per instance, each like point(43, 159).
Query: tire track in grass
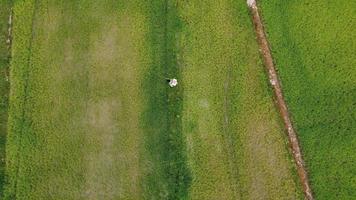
point(281, 104)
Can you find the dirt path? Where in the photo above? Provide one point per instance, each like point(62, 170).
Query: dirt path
point(273, 77)
point(9, 31)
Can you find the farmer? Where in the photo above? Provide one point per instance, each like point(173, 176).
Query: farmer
point(172, 82)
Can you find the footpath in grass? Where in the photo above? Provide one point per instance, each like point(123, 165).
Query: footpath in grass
point(236, 143)
point(313, 43)
point(5, 10)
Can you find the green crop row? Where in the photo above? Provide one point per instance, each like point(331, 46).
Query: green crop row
point(23, 14)
point(162, 116)
point(5, 10)
point(313, 43)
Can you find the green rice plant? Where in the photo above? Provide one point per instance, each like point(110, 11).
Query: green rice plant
point(23, 13)
point(230, 124)
point(78, 126)
point(313, 44)
point(92, 116)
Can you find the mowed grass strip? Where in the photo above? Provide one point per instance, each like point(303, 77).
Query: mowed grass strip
point(5, 10)
point(313, 43)
point(236, 145)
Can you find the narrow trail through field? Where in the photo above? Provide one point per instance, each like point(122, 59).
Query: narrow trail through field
point(281, 104)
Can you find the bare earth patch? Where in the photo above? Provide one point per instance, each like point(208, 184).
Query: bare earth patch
point(113, 111)
point(101, 182)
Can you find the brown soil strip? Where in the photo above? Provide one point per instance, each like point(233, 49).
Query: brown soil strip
point(9, 41)
point(9, 30)
point(281, 104)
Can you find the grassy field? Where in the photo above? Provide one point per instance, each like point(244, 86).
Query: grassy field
point(89, 115)
point(314, 44)
point(92, 117)
point(75, 101)
point(4, 84)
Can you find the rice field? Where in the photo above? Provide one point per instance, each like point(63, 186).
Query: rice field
point(313, 43)
point(91, 115)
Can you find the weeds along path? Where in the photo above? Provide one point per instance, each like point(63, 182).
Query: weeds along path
point(274, 80)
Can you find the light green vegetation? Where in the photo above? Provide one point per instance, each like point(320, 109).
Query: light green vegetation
point(89, 115)
point(314, 43)
point(75, 100)
point(5, 6)
point(237, 147)
point(92, 116)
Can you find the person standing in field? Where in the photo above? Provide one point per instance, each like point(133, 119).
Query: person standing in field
point(172, 82)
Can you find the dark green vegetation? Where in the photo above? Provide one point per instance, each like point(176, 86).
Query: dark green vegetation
point(5, 6)
point(92, 117)
point(162, 117)
point(314, 43)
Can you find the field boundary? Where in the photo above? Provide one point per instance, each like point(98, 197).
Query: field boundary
point(25, 99)
point(280, 102)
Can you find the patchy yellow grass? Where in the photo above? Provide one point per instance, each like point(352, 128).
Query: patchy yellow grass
point(82, 103)
point(113, 134)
